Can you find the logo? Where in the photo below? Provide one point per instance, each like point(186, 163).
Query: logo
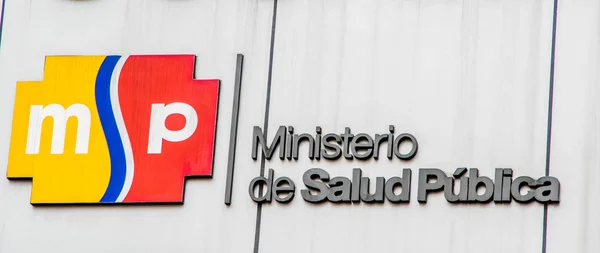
point(112, 129)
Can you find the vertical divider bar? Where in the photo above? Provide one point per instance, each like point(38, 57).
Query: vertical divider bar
point(235, 113)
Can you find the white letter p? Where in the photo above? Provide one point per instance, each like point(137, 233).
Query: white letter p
point(159, 131)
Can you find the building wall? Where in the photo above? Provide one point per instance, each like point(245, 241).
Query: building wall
point(479, 83)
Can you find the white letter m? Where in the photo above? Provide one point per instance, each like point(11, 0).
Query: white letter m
point(60, 116)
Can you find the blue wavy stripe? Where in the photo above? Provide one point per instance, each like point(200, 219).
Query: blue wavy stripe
point(111, 132)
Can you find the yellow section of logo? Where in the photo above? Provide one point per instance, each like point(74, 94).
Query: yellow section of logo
point(57, 137)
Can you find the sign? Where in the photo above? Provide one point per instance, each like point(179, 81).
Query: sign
point(130, 129)
point(113, 129)
point(460, 187)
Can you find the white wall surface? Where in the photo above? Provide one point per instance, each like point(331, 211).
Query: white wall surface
point(574, 226)
point(470, 79)
point(213, 30)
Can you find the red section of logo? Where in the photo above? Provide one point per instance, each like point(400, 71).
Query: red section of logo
point(152, 89)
